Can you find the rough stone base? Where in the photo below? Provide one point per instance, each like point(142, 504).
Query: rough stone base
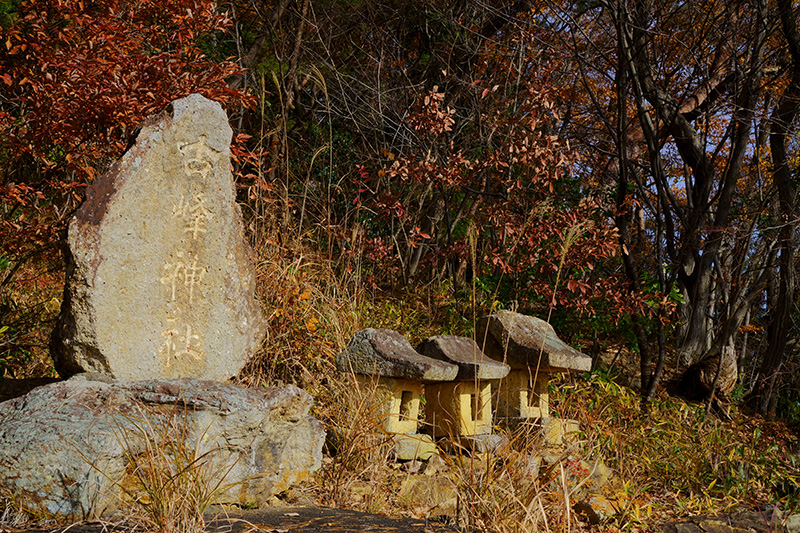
point(490, 443)
point(559, 432)
point(69, 449)
point(413, 446)
point(431, 496)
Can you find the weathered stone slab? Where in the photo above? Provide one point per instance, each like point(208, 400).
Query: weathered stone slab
point(528, 342)
point(434, 495)
point(259, 441)
point(490, 443)
point(464, 352)
point(160, 279)
point(386, 353)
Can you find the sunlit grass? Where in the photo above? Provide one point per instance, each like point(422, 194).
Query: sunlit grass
point(681, 460)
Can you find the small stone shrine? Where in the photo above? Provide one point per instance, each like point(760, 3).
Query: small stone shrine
point(160, 280)
point(387, 356)
point(462, 409)
point(534, 352)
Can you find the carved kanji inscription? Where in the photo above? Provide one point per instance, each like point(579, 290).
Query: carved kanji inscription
point(182, 273)
point(195, 214)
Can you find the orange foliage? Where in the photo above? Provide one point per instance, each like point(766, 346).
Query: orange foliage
point(78, 77)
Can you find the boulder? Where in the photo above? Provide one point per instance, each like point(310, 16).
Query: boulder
point(434, 497)
point(160, 278)
point(463, 352)
point(525, 342)
point(69, 449)
point(558, 433)
point(387, 354)
point(793, 524)
point(596, 509)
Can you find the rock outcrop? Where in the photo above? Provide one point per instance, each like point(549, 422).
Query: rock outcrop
point(68, 449)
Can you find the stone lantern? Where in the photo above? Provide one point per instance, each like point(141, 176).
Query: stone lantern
point(462, 409)
point(385, 359)
point(534, 352)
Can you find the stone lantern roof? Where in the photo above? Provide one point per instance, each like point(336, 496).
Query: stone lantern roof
point(525, 341)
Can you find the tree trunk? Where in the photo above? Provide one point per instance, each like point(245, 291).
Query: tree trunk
point(764, 397)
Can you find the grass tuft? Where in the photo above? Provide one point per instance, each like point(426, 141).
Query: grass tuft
point(676, 460)
point(172, 477)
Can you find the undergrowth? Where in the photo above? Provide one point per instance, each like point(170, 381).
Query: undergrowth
point(172, 477)
point(30, 294)
point(673, 461)
point(677, 459)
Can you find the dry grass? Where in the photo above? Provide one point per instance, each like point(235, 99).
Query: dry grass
point(503, 491)
point(12, 516)
point(314, 300)
point(172, 478)
point(358, 451)
point(312, 306)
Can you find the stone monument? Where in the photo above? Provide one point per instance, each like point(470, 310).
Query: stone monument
point(160, 280)
point(158, 309)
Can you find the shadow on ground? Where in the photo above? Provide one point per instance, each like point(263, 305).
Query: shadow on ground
point(284, 519)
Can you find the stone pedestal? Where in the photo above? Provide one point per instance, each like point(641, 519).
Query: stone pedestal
point(413, 446)
point(69, 449)
point(395, 402)
point(463, 407)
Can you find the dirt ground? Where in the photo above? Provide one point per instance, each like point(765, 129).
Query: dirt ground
point(278, 520)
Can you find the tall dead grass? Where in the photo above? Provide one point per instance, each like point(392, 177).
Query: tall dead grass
point(172, 476)
point(355, 472)
point(507, 490)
